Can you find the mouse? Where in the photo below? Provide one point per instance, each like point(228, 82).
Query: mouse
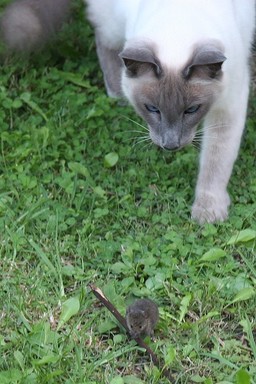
point(142, 317)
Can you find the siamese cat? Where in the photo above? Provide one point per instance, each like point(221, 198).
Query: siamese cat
point(26, 25)
point(181, 63)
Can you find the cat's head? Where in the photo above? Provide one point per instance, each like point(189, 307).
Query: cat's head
point(172, 101)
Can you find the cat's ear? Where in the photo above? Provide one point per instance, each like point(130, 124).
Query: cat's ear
point(138, 61)
point(206, 62)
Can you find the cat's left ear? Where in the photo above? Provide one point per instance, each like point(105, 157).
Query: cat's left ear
point(139, 61)
point(206, 62)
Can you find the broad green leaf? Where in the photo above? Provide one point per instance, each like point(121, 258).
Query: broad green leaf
point(208, 381)
point(224, 382)
point(17, 103)
point(243, 377)
point(19, 358)
point(73, 78)
point(120, 267)
point(208, 316)
point(11, 376)
point(78, 168)
point(184, 306)
point(244, 294)
point(213, 254)
point(169, 355)
point(48, 359)
point(41, 334)
point(111, 159)
point(99, 191)
point(236, 284)
point(197, 379)
point(106, 326)
point(26, 97)
point(110, 291)
point(117, 380)
point(100, 212)
point(132, 380)
point(69, 308)
point(243, 237)
point(117, 339)
point(2, 341)
point(156, 281)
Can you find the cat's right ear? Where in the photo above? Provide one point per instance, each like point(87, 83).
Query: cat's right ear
point(206, 63)
point(139, 61)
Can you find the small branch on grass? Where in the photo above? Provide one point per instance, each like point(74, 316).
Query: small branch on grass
point(100, 295)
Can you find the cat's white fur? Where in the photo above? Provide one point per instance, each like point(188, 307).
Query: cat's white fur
point(175, 27)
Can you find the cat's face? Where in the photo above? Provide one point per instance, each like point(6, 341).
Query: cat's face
point(172, 102)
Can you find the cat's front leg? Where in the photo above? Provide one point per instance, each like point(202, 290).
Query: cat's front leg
point(222, 136)
point(111, 66)
point(210, 207)
point(212, 199)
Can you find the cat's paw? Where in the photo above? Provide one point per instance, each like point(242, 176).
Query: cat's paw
point(208, 208)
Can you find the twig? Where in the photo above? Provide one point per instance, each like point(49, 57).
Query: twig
point(100, 295)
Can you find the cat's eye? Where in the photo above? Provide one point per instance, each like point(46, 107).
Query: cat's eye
point(192, 109)
point(152, 108)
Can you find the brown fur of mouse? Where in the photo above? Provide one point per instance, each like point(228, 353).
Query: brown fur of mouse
point(141, 318)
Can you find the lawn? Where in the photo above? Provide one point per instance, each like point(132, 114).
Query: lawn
point(86, 198)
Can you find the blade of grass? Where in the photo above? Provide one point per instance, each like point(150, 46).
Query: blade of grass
point(250, 338)
point(249, 264)
point(40, 253)
point(25, 97)
point(220, 359)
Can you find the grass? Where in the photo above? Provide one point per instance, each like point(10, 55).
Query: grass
point(82, 200)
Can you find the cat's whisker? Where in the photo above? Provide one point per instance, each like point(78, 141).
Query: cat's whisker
point(208, 132)
point(137, 137)
point(136, 122)
point(147, 146)
point(129, 139)
point(141, 141)
point(195, 145)
point(212, 127)
point(135, 131)
point(216, 125)
point(201, 137)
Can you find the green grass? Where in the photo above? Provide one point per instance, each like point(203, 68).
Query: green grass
point(82, 200)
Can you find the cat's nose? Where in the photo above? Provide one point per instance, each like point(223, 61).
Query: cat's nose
point(171, 145)
point(167, 141)
point(170, 140)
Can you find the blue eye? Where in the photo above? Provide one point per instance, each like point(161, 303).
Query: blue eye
point(192, 109)
point(152, 108)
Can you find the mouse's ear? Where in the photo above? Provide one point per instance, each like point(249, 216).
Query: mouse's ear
point(142, 312)
point(128, 310)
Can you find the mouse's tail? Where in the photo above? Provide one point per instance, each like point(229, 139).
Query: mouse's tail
point(26, 25)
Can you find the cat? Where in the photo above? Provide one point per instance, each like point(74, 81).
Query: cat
point(181, 63)
point(26, 25)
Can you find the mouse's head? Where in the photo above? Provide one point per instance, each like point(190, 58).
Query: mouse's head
point(136, 321)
